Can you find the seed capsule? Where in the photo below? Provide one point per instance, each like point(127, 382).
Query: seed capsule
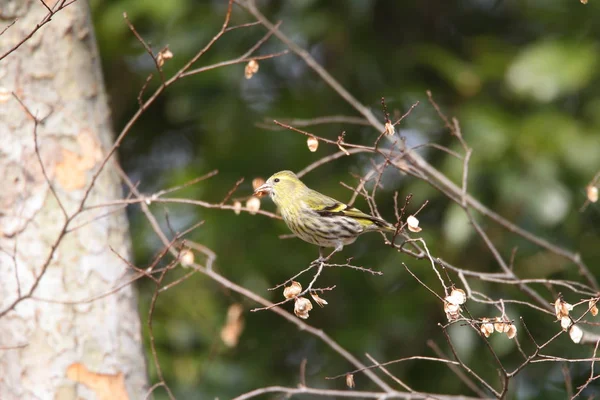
point(312, 143)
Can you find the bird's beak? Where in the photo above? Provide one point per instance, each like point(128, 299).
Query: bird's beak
point(264, 189)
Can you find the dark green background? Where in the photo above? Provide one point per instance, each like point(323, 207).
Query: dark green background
point(522, 77)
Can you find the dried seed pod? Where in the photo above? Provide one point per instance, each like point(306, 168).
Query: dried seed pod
point(253, 205)
point(512, 331)
point(576, 334)
point(186, 257)
point(302, 306)
point(237, 207)
point(502, 325)
point(163, 55)
point(234, 325)
point(562, 308)
point(320, 301)
point(257, 182)
point(592, 193)
point(413, 224)
point(593, 307)
point(487, 328)
point(289, 292)
point(565, 323)
point(457, 297)
point(251, 69)
point(452, 311)
point(350, 381)
point(389, 129)
point(312, 143)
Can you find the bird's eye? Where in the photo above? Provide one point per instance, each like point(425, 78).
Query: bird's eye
point(276, 180)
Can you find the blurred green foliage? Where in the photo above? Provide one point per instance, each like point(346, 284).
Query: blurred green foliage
point(521, 76)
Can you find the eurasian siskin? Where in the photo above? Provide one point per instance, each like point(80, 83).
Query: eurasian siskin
point(316, 218)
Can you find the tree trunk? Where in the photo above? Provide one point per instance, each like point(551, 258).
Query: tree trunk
point(52, 344)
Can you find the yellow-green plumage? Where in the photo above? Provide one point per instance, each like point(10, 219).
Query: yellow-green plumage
point(316, 218)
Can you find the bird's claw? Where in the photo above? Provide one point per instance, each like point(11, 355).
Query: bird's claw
point(318, 260)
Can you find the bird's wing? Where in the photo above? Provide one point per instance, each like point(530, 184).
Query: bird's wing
point(329, 207)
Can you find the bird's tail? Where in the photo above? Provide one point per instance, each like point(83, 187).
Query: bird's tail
point(384, 226)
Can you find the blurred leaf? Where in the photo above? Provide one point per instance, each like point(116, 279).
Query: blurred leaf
point(491, 57)
point(545, 132)
point(592, 111)
point(554, 133)
point(537, 191)
point(546, 70)
point(580, 152)
point(457, 228)
point(457, 72)
point(487, 129)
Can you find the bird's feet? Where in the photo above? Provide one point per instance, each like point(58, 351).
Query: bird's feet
point(319, 260)
point(323, 259)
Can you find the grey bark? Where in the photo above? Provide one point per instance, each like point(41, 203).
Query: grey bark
point(57, 75)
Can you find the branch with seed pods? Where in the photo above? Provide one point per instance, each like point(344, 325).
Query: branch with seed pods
point(569, 307)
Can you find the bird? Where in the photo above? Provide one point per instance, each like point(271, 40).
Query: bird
point(317, 218)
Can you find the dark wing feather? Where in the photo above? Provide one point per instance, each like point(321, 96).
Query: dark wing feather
point(332, 208)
